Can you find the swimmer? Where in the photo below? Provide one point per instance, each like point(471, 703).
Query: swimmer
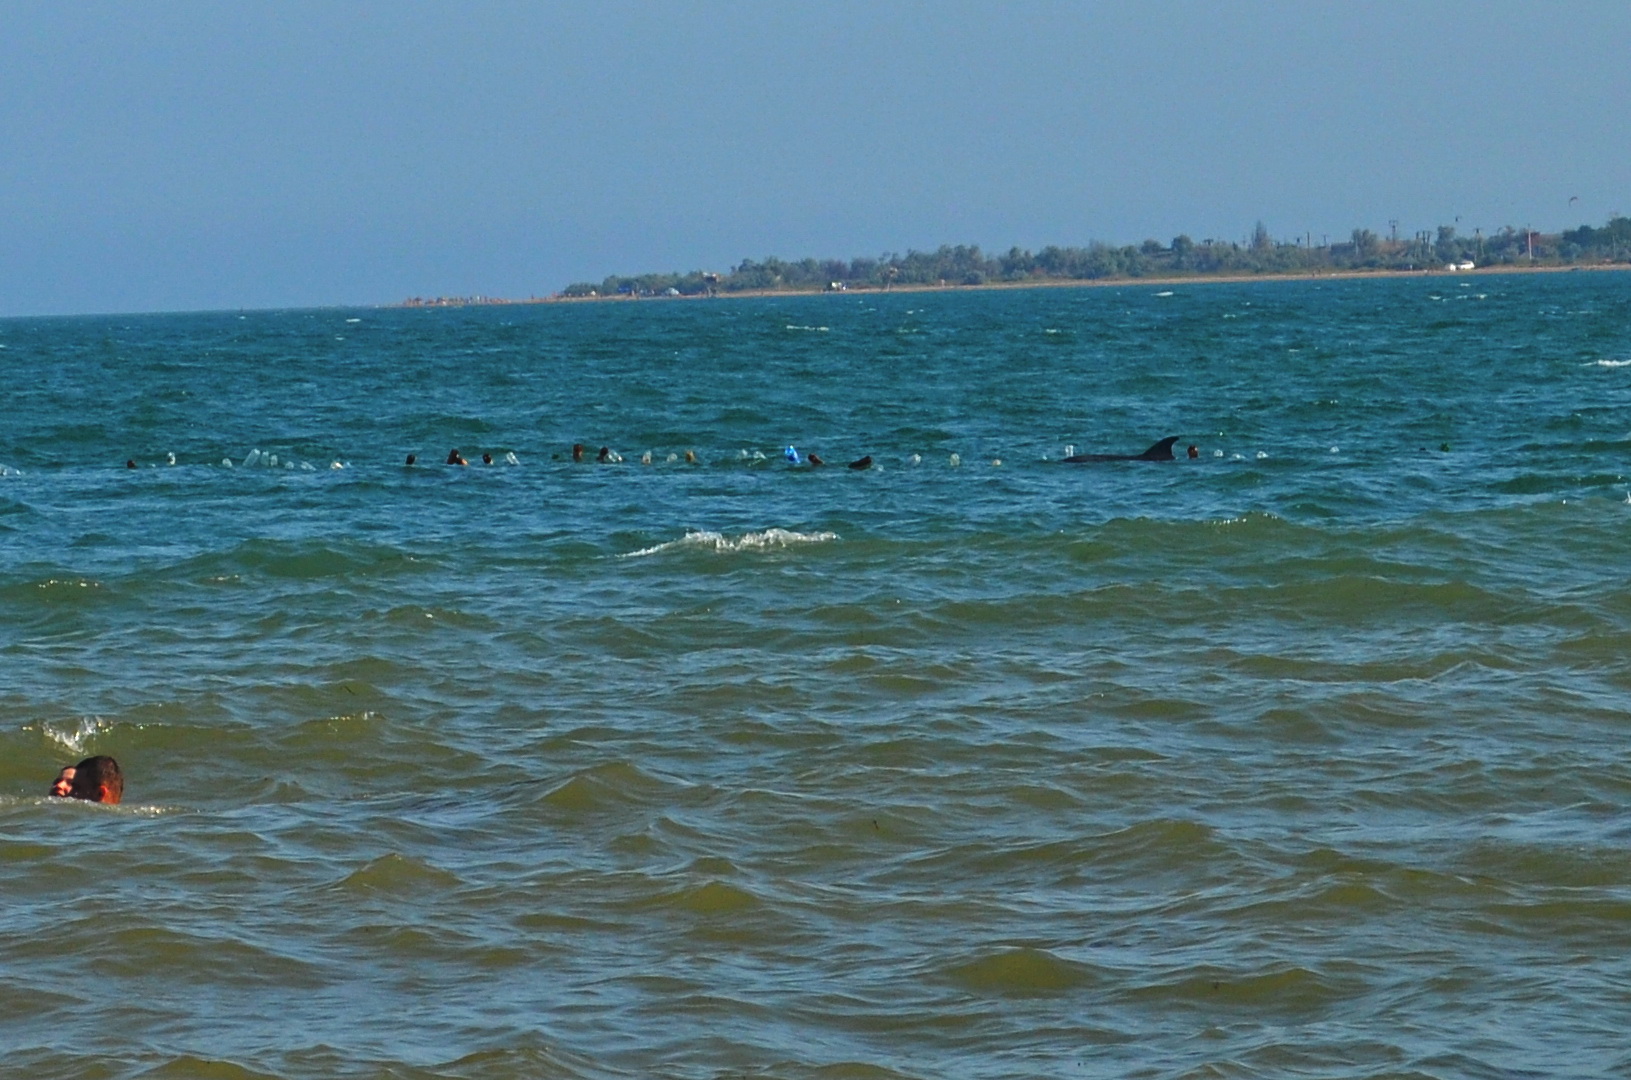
point(486, 459)
point(412, 459)
point(577, 451)
point(605, 455)
point(130, 463)
point(690, 457)
point(1194, 452)
point(453, 458)
point(96, 779)
point(862, 463)
point(814, 459)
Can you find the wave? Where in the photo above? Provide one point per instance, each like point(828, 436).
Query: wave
point(1608, 363)
point(768, 540)
point(72, 735)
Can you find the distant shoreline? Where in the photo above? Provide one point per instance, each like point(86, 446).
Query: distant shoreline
point(1035, 283)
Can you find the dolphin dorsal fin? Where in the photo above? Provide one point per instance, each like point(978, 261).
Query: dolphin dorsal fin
point(1161, 451)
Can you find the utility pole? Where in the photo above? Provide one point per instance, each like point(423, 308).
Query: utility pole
point(1393, 225)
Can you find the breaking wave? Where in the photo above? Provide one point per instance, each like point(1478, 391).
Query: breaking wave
point(768, 540)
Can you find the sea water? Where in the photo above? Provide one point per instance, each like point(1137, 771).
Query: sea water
point(1308, 756)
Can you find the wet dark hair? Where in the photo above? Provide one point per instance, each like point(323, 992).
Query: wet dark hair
point(94, 773)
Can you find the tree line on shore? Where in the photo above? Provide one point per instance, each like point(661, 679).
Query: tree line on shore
point(966, 264)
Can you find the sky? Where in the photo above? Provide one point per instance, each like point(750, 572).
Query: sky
point(173, 156)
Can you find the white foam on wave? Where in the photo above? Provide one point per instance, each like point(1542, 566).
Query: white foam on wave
point(1609, 363)
point(81, 806)
point(810, 329)
point(768, 540)
point(72, 739)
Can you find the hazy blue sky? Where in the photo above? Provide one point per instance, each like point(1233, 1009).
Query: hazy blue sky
point(217, 155)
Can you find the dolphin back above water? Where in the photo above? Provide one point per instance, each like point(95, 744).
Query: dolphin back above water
point(1161, 451)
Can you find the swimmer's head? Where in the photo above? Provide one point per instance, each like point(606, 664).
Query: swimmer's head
point(63, 785)
point(577, 451)
point(98, 779)
point(1194, 452)
point(486, 459)
point(412, 458)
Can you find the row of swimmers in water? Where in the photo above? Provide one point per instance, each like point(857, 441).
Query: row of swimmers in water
point(607, 456)
point(1161, 451)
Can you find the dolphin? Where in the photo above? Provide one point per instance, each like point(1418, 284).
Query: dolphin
point(1161, 451)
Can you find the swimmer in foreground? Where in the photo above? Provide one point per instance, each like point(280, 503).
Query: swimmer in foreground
point(453, 458)
point(96, 779)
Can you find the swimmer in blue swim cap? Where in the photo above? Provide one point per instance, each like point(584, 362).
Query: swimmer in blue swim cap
point(791, 455)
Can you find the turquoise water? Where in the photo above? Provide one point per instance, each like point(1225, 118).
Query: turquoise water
point(1306, 757)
